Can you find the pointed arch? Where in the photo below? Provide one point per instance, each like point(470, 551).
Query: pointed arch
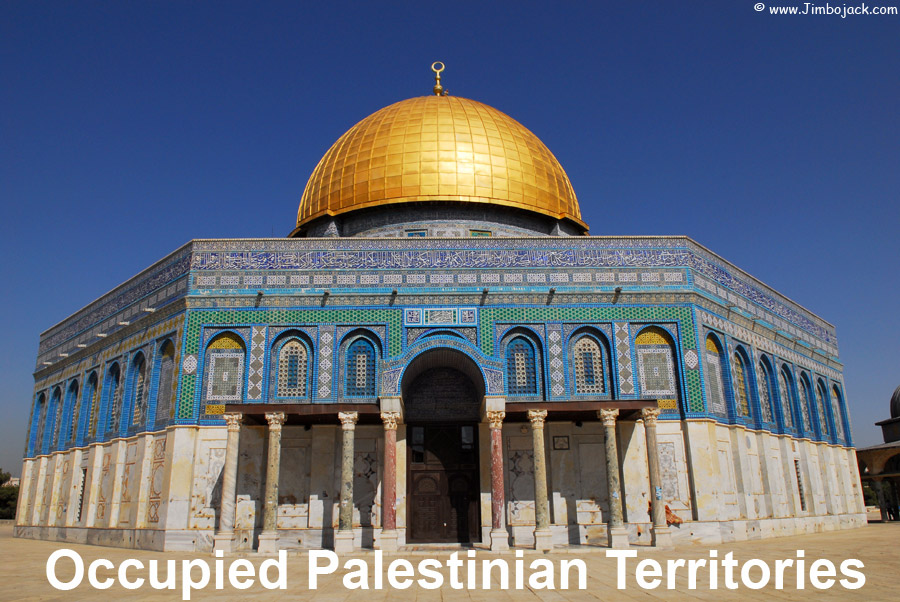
point(73, 403)
point(37, 423)
point(291, 370)
point(360, 372)
point(740, 374)
point(715, 375)
point(523, 375)
point(113, 399)
point(591, 365)
point(765, 385)
point(785, 393)
point(825, 429)
point(165, 387)
point(837, 406)
point(54, 417)
point(91, 397)
point(804, 394)
point(138, 389)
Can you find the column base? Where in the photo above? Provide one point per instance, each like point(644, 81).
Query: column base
point(543, 540)
point(343, 542)
point(268, 543)
point(387, 542)
point(499, 540)
point(661, 537)
point(617, 537)
point(225, 542)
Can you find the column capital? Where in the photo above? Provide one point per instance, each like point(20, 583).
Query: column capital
point(608, 417)
point(275, 420)
point(390, 419)
point(495, 417)
point(537, 418)
point(348, 420)
point(233, 421)
point(650, 415)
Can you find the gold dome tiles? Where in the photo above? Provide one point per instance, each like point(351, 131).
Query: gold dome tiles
point(438, 148)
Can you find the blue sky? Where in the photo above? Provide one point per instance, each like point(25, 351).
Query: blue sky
point(127, 129)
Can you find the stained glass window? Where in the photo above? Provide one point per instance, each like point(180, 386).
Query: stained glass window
point(714, 381)
point(820, 403)
point(836, 412)
point(521, 371)
point(741, 399)
point(140, 402)
point(765, 393)
point(74, 403)
point(57, 409)
point(94, 410)
point(41, 423)
point(803, 401)
point(292, 370)
point(589, 377)
point(166, 388)
point(784, 391)
point(114, 392)
point(360, 368)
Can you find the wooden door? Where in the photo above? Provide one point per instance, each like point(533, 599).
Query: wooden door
point(443, 484)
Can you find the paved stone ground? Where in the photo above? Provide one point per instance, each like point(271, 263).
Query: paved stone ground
point(23, 566)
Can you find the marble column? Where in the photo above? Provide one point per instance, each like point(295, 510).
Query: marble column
point(343, 539)
point(388, 540)
point(499, 536)
point(225, 539)
point(268, 539)
point(617, 535)
point(543, 537)
point(661, 535)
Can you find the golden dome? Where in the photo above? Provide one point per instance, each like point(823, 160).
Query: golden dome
point(438, 148)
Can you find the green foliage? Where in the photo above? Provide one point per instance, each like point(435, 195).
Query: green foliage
point(9, 495)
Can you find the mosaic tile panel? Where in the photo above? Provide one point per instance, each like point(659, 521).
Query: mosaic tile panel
point(257, 359)
point(326, 365)
point(623, 357)
point(555, 359)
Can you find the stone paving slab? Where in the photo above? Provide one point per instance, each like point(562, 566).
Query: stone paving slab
point(23, 566)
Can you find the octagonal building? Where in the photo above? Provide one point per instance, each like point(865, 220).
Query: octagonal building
point(439, 352)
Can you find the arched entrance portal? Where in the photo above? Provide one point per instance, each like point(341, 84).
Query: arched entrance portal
point(442, 392)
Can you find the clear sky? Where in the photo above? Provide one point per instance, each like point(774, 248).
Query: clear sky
point(128, 128)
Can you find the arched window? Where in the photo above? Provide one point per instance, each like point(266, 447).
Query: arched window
point(225, 380)
point(73, 402)
point(293, 368)
point(820, 406)
point(139, 390)
point(92, 396)
point(360, 369)
point(521, 368)
point(836, 412)
point(741, 397)
point(763, 387)
point(803, 402)
point(787, 399)
point(715, 391)
point(589, 362)
point(165, 390)
point(56, 408)
point(114, 395)
point(40, 419)
point(656, 369)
